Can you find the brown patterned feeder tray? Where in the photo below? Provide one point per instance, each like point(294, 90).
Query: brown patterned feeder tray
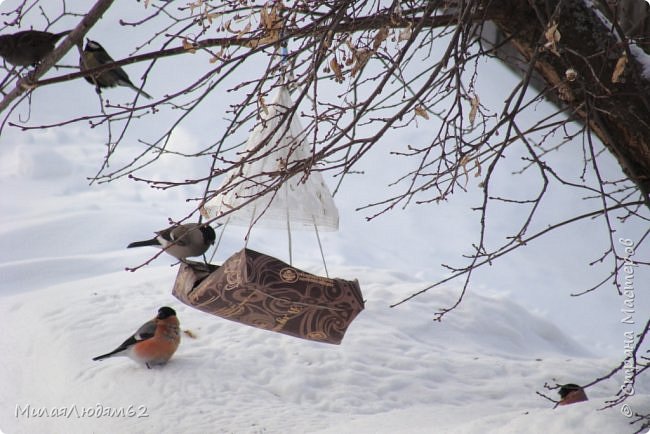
point(261, 291)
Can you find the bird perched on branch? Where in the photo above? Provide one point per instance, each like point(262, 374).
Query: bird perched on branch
point(93, 56)
point(182, 241)
point(155, 341)
point(28, 47)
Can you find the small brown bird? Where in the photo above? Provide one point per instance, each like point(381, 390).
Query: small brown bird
point(154, 342)
point(95, 55)
point(28, 47)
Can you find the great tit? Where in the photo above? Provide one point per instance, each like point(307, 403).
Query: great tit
point(95, 55)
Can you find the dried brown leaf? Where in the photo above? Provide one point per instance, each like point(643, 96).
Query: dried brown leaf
point(380, 37)
point(265, 19)
point(405, 33)
point(246, 29)
point(397, 11)
point(619, 69)
point(361, 57)
point(273, 37)
point(327, 42)
point(217, 57)
point(472, 112)
point(351, 47)
point(211, 17)
point(336, 68)
point(463, 163)
point(477, 166)
point(194, 5)
point(187, 45)
point(552, 36)
point(421, 111)
point(262, 103)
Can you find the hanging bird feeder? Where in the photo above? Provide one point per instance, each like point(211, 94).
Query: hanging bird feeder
point(257, 289)
point(261, 291)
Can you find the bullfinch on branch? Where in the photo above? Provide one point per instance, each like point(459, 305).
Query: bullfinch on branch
point(182, 241)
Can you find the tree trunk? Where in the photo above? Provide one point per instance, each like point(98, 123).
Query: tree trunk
point(616, 110)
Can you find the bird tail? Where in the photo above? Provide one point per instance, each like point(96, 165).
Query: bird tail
point(62, 34)
point(140, 91)
point(151, 242)
point(107, 355)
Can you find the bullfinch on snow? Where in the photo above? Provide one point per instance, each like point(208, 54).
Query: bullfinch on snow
point(571, 393)
point(155, 341)
point(182, 241)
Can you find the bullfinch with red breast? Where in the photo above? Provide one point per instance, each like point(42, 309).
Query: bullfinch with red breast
point(571, 393)
point(155, 341)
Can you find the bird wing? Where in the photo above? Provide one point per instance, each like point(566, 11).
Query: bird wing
point(146, 331)
point(165, 234)
point(123, 78)
point(102, 58)
point(178, 234)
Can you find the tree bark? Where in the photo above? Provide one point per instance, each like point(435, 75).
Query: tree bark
point(617, 112)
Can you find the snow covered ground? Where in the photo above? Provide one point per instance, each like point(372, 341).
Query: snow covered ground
point(65, 297)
